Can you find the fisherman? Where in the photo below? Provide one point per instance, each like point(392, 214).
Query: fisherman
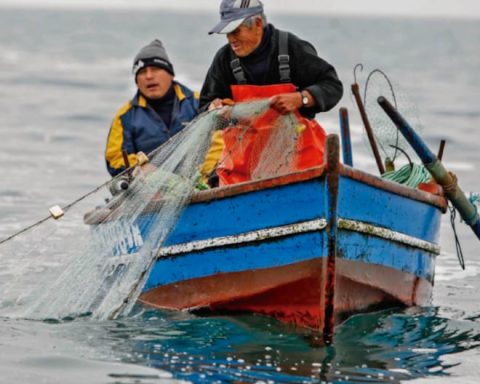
point(261, 61)
point(160, 109)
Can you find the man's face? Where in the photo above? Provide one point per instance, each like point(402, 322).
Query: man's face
point(244, 40)
point(154, 82)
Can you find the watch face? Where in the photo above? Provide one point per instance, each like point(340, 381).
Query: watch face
point(304, 100)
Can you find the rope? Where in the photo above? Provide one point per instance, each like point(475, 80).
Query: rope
point(410, 175)
point(474, 198)
point(458, 246)
point(65, 209)
point(451, 188)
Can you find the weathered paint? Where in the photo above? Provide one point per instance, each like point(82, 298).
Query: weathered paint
point(290, 292)
point(237, 258)
point(243, 238)
point(388, 234)
point(293, 203)
point(238, 238)
point(228, 254)
point(303, 227)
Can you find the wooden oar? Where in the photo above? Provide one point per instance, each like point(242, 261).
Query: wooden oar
point(446, 179)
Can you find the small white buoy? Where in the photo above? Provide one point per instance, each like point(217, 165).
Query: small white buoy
point(56, 212)
point(142, 158)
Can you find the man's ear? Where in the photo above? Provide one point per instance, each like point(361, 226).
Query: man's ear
point(259, 22)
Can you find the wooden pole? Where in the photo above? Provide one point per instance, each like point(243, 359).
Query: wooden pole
point(368, 128)
point(446, 179)
point(441, 149)
point(346, 138)
point(333, 178)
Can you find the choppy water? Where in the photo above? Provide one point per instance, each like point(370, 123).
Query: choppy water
point(63, 74)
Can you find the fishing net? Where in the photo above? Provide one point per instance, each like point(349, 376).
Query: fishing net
point(389, 139)
point(95, 259)
point(391, 143)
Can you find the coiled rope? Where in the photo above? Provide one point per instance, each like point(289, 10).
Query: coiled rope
point(410, 175)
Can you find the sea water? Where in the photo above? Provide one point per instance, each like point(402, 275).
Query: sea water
point(63, 75)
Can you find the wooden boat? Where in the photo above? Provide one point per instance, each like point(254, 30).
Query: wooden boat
point(307, 248)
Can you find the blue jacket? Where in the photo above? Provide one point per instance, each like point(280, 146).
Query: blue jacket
point(137, 127)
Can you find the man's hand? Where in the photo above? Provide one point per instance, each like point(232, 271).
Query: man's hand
point(286, 103)
point(219, 103)
point(289, 102)
point(215, 104)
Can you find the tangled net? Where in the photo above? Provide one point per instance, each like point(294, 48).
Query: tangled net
point(387, 136)
point(96, 264)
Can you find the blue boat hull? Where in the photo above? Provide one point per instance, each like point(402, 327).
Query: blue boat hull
point(262, 247)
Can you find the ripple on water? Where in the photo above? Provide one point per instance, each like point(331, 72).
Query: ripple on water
point(384, 347)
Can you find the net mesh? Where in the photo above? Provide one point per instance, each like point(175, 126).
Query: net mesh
point(96, 263)
point(387, 136)
point(283, 141)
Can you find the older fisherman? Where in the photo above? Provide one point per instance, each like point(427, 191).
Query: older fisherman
point(159, 110)
point(261, 61)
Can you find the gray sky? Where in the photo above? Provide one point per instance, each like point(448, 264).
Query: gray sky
point(434, 8)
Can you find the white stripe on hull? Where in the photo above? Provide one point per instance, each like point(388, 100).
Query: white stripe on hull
point(292, 229)
point(388, 234)
point(247, 237)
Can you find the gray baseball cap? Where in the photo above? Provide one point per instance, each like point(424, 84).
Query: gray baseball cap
point(235, 12)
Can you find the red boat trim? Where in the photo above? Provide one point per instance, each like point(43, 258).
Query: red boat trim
point(312, 173)
point(252, 186)
point(100, 215)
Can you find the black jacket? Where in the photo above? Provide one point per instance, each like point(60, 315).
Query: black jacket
point(307, 71)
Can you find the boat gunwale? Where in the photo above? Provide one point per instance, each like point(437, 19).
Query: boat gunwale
point(317, 172)
point(232, 190)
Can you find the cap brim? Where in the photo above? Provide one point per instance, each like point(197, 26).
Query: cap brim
point(226, 26)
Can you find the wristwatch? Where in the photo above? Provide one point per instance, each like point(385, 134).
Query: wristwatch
point(304, 99)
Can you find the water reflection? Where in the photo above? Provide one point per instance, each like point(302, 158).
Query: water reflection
point(389, 346)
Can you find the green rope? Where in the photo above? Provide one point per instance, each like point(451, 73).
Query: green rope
point(474, 198)
point(410, 175)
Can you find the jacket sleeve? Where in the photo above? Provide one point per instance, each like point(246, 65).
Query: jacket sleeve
point(119, 138)
point(316, 76)
point(213, 155)
point(216, 84)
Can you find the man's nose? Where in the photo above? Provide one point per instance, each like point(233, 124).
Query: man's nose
point(148, 72)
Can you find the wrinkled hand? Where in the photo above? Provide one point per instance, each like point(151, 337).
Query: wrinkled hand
point(219, 103)
point(286, 103)
point(215, 104)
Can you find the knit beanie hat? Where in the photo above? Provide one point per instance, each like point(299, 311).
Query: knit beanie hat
point(152, 55)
